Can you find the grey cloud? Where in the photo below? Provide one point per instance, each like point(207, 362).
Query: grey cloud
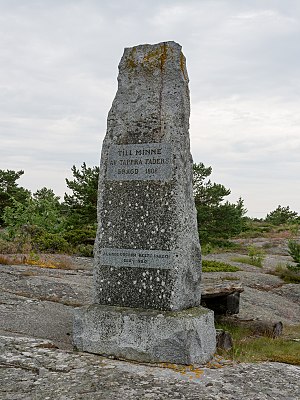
point(58, 69)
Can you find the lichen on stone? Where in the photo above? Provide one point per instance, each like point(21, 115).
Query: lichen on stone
point(153, 58)
point(183, 66)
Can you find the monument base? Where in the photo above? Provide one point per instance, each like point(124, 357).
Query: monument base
point(179, 337)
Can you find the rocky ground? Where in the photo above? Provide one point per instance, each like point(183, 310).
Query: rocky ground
point(33, 369)
point(37, 359)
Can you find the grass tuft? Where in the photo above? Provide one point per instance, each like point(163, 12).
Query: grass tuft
point(287, 273)
point(245, 260)
point(217, 266)
point(63, 262)
point(250, 348)
point(255, 257)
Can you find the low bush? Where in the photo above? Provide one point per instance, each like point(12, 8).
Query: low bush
point(51, 242)
point(288, 273)
point(241, 259)
point(219, 246)
point(294, 229)
point(217, 266)
point(8, 246)
point(294, 252)
point(85, 250)
point(82, 235)
point(208, 248)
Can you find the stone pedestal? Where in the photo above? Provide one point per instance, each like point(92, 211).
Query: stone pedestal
point(147, 269)
point(180, 337)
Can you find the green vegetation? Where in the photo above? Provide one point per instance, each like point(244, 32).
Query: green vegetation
point(220, 246)
point(217, 220)
point(294, 252)
point(81, 205)
point(254, 228)
point(10, 191)
point(287, 273)
point(251, 348)
point(255, 257)
point(37, 223)
point(40, 210)
point(282, 215)
point(41, 222)
point(217, 266)
point(290, 273)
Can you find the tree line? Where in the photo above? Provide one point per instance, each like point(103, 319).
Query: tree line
point(41, 222)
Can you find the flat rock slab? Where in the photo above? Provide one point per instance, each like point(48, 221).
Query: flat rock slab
point(267, 305)
point(33, 369)
point(48, 313)
point(31, 317)
point(39, 302)
point(66, 286)
point(221, 289)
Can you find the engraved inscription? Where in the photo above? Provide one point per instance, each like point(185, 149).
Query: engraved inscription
point(149, 161)
point(136, 258)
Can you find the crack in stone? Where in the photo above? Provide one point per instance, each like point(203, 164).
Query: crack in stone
point(54, 299)
point(35, 370)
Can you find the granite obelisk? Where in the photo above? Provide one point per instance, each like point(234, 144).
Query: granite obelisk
point(147, 269)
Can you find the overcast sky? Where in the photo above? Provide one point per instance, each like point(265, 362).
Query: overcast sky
point(58, 77)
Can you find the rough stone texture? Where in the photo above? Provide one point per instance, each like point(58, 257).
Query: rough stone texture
point(31, 369)
point(147, 251)
point(220, 289)
point(224, 339)
point(182, 337)
point(223, 298)
point(34, 298)
point(39, 302)
point(227, 304)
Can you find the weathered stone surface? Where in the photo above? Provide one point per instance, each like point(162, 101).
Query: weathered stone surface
point(36, 318)
point(32, 369)
point(182, 337)
point(147, 251)
point(39, 302)
point(221, 289)
point(226, 304)
point(223, 298)
point(224, 339)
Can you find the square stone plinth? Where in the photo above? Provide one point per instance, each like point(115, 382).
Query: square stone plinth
point(180, 337)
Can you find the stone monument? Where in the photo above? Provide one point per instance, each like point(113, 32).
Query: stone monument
point(147, 267)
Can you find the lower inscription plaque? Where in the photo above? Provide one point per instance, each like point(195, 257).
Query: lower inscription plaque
point(136, 258)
